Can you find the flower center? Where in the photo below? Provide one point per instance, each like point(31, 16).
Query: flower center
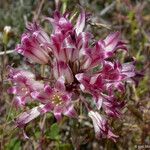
point(56, 100)
point(24, 90)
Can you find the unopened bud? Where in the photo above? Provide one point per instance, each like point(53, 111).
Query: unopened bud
point(7, 30)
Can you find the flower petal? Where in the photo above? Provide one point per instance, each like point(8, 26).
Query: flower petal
point(62, 69)
point(58, 113)
point(101, 126)
point(111, 41)
point(70, 111)
point(41, 96)
point(28, 116)
point(60, 84)
point(80, 22)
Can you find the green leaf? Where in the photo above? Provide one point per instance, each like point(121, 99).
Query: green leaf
point(53, 132)
point(37, 134)
point(14, 144)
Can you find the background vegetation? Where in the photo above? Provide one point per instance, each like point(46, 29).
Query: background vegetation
point(132, 18)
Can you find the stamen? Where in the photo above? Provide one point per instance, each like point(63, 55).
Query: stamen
point(56, 100)
point(25, 90)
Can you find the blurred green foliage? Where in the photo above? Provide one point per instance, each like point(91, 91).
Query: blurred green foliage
point(53, 132)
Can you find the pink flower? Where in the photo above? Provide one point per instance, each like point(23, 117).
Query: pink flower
point(102, 50)
point(103, 84)
point(69, 49)
point(111, 44)
point(91, 84)
point(78, 65)
point(67, 44)
point(116, 73)
point(101, 126)
point(33, 44)
point(56, 100)
point(111, 76)
point(110, 105)
point(24, 83)
point(61, 23)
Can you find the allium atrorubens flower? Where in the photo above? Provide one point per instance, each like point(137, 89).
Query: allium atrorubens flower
point(56, 99)
point(24, 83)
point(110, 78)
point(78, 65)
point(33, 44)
point(101, 126)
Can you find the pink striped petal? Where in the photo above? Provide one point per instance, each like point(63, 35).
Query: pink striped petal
point(111, 41)
point(60, 84)
point(48, 90)
point(58, 113)
point(83, 39)
point(80, 22)
point(12, 90)
point(41, 96)
point(62, 69)
point(70, 112)
point(28, 116)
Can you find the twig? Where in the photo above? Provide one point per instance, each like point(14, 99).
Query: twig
point(7, 52)
point(39, 10)
point(24, 16)
point(99, 25)
point(108, 8)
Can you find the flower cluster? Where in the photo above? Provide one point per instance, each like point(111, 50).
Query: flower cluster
point(78, 65)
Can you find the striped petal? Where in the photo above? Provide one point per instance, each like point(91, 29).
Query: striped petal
point(28, 116)
point(80, 22)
